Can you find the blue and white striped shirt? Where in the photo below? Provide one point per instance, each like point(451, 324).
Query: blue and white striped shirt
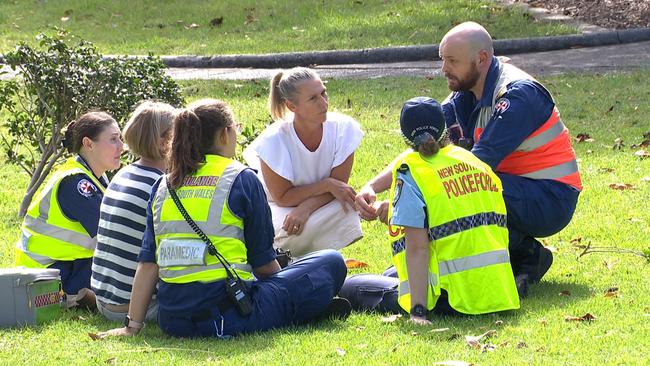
point(119, 238)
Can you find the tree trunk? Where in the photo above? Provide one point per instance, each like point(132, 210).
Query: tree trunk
point(40, 173)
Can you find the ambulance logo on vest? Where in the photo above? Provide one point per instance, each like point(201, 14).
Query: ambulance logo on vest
point(501, 105)
point(85, 188)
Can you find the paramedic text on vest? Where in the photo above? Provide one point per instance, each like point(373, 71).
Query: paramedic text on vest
point(516, 129)
point(228, 208)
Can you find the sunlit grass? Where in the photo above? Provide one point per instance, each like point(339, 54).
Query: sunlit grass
point(536, 334)
point(248, 26)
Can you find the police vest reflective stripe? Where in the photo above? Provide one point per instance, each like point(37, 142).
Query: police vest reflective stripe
point(47, 234)
point(456, 226)
point(468, 253)
point(205, 197)
point(547, 152)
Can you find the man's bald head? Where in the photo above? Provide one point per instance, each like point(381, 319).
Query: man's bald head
point(466, 53)
point(471, 37)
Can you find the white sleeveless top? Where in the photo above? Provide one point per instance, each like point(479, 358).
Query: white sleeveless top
point(281, 149)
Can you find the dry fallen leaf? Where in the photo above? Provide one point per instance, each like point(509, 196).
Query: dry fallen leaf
point(565, 293)
point(353, 263)
point(543, 322)
point(611, 292)
point(618, 144)
point(391, 318)
point(583, 137)
point(642, 154)
point(488, 347)
point(192, 26)
point(340, 351)
point(522, 344)
point(586, 317)
point(216, 22)
point(474, 341)
point(621, 186)
point(94, 336)
point(605, 170)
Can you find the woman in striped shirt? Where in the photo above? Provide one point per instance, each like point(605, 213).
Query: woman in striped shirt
point(123, 210)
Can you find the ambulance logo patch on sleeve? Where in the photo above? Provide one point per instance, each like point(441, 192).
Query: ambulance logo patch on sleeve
point(502, 105)
point(85, 188)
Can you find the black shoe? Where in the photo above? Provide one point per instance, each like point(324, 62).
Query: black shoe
point(522, 284)
point(338, 309)
point(544, 261)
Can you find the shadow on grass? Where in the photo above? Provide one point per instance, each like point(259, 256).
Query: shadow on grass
point(555, 293)
point(75, 325)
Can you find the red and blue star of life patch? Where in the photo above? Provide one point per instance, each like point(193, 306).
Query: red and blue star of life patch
point(86, 188)
point(501, 105)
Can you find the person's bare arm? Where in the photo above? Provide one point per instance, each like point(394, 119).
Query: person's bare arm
point(417, 265)
point(285, 194)
point(144, 282)
point(267, 270)
point(365, 199)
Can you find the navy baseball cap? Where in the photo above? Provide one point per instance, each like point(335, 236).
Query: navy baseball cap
point(420, 116)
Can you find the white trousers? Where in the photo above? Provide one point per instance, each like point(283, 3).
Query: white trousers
point(329, 227)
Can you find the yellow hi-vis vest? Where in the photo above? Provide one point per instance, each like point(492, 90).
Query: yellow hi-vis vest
point(181, 255)
point(47, 234)
point(468, 248)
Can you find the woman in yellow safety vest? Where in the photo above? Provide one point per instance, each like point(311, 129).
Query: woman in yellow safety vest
point(208, 243)
point(60, 227)
point(447, 228)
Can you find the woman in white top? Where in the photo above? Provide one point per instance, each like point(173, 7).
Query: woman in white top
point(305, 159)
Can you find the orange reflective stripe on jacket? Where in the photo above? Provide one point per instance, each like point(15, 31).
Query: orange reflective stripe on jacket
point(545, 154)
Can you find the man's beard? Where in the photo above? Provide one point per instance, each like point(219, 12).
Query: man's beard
point(468, 82)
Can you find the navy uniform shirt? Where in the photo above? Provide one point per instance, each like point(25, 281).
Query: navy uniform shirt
point(247, 201)
point(79, 199)
point(529, 105)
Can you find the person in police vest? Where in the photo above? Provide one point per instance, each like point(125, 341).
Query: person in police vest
point(509, 121)
point(60, 227)
point(196, 295)
point(447, 229)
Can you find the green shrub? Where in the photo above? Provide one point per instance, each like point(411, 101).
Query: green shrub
point(60, 79)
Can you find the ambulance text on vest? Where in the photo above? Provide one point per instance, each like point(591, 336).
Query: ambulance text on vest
point(463, 179)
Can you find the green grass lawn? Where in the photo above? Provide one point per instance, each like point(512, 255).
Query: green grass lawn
point(604, 106)
point(266, 26)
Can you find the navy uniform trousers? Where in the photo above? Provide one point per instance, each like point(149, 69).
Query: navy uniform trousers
point(297, 294)
point(536, 208)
